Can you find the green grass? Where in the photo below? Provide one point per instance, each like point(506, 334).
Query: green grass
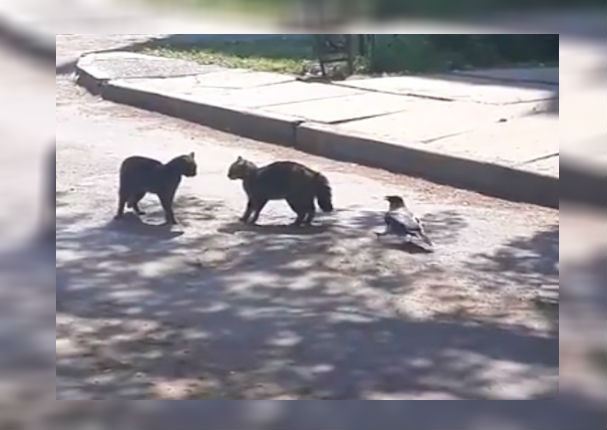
point(395, 54)
point(279, 54)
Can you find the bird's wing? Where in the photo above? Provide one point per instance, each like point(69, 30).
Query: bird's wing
point(402, 222)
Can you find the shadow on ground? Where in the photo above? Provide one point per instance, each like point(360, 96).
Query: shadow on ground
point(259, 312)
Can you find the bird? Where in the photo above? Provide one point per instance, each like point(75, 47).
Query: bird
point(400, 221)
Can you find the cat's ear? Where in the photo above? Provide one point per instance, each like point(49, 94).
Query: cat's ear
point(192, 154)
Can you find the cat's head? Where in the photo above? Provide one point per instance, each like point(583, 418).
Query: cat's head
point(240, 168)
point(187, 164)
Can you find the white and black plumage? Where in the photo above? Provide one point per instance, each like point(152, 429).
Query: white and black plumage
point(400, 221)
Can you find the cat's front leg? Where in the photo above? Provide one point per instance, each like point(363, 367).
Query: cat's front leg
point(167, 204)
point(247, 213)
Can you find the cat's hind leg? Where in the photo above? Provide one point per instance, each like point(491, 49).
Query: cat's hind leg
point(121, 202)
point(310, 212)
point(134, 203)
point(299, 208)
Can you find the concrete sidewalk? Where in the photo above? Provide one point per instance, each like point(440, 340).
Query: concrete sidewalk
point(482, 134)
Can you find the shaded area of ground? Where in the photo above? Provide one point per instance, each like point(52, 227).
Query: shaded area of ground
point(266, 313)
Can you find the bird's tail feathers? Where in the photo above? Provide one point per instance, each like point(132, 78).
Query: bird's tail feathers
point(425, 238)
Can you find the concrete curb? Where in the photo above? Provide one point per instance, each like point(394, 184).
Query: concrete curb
point(486, 178)
point(88, 81)
point(320, 139)
point(269, 128)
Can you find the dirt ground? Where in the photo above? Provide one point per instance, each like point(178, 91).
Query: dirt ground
point(213, 309)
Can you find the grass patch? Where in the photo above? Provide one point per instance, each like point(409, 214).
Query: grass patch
point(394, 54)
point(283, 54)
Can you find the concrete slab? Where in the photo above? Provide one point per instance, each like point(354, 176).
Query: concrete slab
point(520, 143)
point(428, 120)
point(547, 75)
point(266, 126)
point(241, 78)
point(118, 65)
point(361, 105)
point(463, 89)
point(471, 135)
point(228, 89)
point(183, 87)
point(225, 87)
point(129, 65)
point(222, 79)
point(293, 93)
point(260, 96)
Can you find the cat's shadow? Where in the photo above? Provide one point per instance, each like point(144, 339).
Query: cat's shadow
point(284, 229)
point(132, 224)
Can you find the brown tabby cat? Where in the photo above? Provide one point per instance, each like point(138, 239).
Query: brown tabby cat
point(296, 183)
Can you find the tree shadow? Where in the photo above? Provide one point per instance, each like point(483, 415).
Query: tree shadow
point(528, 260)
point(131, 224)
point(235, 314)
point(531, 262)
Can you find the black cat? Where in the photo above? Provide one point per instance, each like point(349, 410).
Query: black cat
point(141, 175)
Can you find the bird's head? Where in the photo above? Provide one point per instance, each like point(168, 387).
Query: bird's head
point(395, 202)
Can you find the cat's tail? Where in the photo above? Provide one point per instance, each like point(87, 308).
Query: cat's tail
point(323, 192)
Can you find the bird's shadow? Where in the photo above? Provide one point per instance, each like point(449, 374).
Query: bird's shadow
point(408, 247)
point(285, 229)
